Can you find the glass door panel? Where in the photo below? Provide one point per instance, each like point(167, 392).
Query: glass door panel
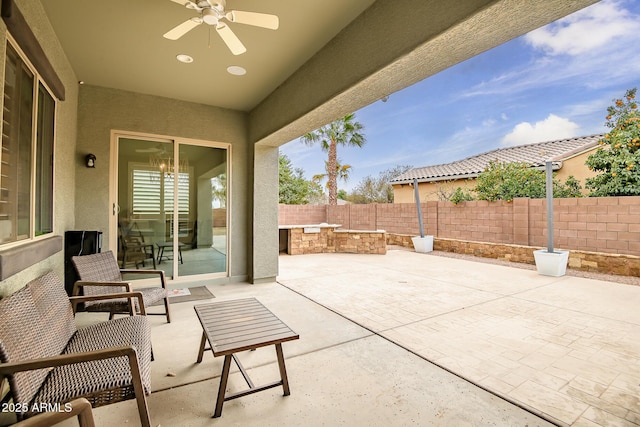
point(145, 203)
point(201, 228)
point(172, 200)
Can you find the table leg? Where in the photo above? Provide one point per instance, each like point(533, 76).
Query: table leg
point(223, 385)
point(203, 341)
point(283, 370)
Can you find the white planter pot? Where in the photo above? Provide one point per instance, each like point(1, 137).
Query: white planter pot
point(423, 244)
point(551, 263)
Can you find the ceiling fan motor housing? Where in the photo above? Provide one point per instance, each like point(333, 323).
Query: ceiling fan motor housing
point(211, 16)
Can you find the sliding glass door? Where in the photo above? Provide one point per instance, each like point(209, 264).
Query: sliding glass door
point(171, 206)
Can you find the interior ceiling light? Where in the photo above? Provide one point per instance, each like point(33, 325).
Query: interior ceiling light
point(184, 58)
point(236, 70)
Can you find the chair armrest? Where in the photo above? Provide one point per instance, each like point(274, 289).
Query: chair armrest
point(129, 295)
point(80, 408)
point(80, 283)
point(69, 359)
point(161, 273)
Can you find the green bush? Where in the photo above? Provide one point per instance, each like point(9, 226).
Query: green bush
point(618, 156)
point(507, 181)
point(460, 195)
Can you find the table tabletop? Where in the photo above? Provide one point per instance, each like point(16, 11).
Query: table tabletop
point(241, 324)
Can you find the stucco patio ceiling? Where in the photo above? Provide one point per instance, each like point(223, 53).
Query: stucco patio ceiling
point(119, 44)
point(331, 56)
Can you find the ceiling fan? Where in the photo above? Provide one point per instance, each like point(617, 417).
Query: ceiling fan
point(212, 12)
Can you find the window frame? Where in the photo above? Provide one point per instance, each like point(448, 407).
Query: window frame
point(38, 145)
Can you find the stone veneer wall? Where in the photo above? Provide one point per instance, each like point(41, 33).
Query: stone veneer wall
point(596, 262)
point(329, 240)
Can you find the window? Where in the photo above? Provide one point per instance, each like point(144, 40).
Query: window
point(26, 157)
point(147, 189)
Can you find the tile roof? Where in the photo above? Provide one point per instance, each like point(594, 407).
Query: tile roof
point(535, 154)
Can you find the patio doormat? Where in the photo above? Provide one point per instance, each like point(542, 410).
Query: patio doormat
point(187, 294)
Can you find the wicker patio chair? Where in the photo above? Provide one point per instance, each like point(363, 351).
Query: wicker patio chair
point(133, 248)
point(46, 360)
point(99, 274)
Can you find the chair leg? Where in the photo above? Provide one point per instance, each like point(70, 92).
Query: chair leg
point(141, 399)
point(166, 308)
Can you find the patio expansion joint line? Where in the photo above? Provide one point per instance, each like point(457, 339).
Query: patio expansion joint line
point(510, 400)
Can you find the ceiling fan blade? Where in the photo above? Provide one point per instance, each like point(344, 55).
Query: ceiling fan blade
point(182, 29)
point(263, 20)
point(182, 2)
point(233, 42)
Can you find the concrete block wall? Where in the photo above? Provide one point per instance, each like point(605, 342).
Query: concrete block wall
point(480, 221)
point(401, 218)
point(302, 214)
point(595, 224)
point(339, 215)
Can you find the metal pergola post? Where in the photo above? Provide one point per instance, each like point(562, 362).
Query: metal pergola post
point(549, 184)
point(417, 193)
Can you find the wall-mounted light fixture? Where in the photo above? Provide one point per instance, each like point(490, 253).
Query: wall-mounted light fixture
point(90, 160)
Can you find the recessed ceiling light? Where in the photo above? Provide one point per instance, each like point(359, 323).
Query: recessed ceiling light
point(184, 58)
point(236, 70)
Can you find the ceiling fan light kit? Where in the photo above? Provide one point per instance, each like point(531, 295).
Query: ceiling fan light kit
point(212, 13)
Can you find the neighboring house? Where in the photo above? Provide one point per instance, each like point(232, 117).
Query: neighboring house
point(439, 181)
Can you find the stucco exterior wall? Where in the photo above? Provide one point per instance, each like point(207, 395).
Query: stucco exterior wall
point(102, 110)
point(576, 166)
point(65, 139)
point(430, 191)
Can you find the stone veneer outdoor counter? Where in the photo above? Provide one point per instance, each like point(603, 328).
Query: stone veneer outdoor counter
point(328, 238)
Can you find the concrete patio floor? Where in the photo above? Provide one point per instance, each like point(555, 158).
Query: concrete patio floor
point(412, 339)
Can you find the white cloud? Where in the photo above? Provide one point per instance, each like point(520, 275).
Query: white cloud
point(549, 129)
point(600, 44)
point(588, 29)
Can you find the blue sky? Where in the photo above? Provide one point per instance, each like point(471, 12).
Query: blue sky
point(555, 82)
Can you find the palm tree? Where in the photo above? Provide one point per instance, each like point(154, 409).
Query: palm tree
point(342, 173)
point(344, 131)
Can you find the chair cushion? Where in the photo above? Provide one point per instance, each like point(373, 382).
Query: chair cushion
point(120, 305)
point(83, 379)
point(22, 338)
point(53, 305)
point(100, 267)
point(37, 321)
